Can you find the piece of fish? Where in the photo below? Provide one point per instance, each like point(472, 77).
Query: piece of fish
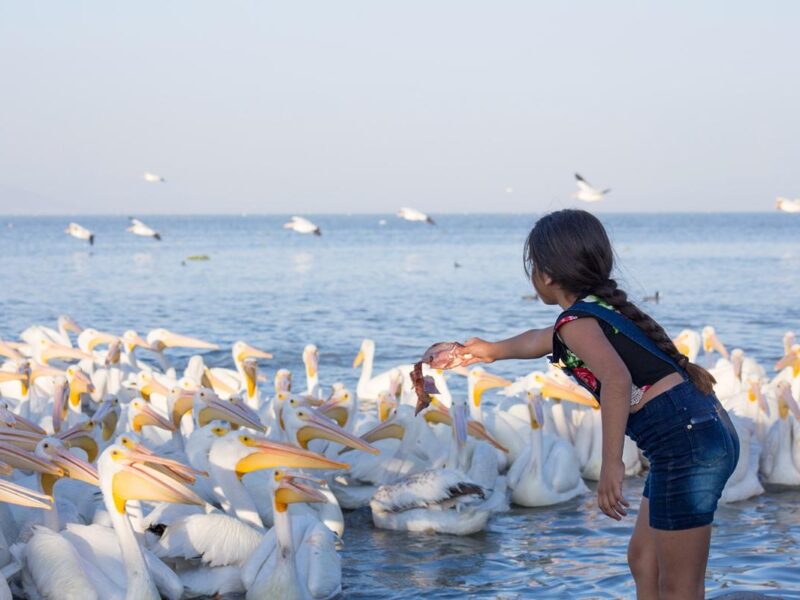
point(424, 386)
point(445, 355)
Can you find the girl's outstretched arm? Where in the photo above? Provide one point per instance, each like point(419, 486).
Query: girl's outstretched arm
point(585, 338)
point(534, 343)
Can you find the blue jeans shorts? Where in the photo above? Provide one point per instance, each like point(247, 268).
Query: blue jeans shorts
point(693, 449)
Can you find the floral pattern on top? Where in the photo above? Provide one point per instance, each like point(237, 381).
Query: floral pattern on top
point(573, 365)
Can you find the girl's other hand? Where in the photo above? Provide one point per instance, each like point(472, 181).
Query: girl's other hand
point(609, 490)
point(478, 350)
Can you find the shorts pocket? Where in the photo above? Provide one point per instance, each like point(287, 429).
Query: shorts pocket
point(707, 439)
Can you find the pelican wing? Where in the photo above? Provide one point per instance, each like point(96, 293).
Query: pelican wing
point(136, 222)
point(585, 186)
point(426, 489)
point(216, 539)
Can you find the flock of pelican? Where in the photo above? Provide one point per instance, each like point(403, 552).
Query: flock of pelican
point(125, 477)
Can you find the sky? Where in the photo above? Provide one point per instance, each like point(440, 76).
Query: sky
point(366, 106)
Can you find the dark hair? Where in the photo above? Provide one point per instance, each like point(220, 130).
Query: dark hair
point(572, 247)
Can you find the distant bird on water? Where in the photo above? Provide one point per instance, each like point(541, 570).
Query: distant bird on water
point(412, 214)
point(301, 225)
point(786, 205)
point(153, 178)
point(586, 192)
point(654, 298)
point(79, 232)
point(139, 228)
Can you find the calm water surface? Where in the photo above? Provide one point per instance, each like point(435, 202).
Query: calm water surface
point(397, 284)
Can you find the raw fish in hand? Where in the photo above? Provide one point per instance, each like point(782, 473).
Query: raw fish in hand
point(445, 355)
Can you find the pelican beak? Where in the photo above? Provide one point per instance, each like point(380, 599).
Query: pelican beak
point(69, 324)
point(22, 496)
point(149, 385)
point(213, 382)
point(291, 491)
point(114, 353)
point(385, 407)
point(24, 424)
point(81, 436)
point(791, 359)
point(388, 429)
point(58, 351)
point(271, 455)
point(20, 438)
point(148, 416)
point(74, 467)
point(712, 342)
point(486, 381)
point(38, 371)
point(23, 459)
point(319, 427)
point(551, 388)
point(12, 376)
point(437, 413)
point(60, 395)
point(235, 414)
point(787, 403)
point(478, 431)
point(535, 410)
point(312, 364)
point(460, 423)
point(359, 359)
point(247, 351)
point(79, 384)
point(182, 402)
point(173, 340)
point(133, 340)
point(100, 337)
point(7, 418)
point(250, 369)
point(177, 469)
point(141, 481)
point(108, 418)
point(333, 409)
point(10, 353)
point(682, 345)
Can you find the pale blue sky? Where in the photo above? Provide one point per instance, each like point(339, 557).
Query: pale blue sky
point(305, 107)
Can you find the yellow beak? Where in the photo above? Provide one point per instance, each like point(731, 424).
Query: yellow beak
point(272, 455)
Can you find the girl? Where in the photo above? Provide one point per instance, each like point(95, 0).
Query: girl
point(649, 391)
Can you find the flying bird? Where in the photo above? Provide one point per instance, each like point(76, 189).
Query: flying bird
point(139, 228)
point(786, 205)
point(80, 233)
point(586, 192)
point(412, 214)
point(153, 178)
point(301, 225)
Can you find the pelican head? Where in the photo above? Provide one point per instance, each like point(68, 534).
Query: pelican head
point(107, 417)
point(132, 340)
point(338, 406)
point(290, 489)
point(90, 338)
point(367, 349)
point(48, 351)
point(245, 453)
point(786, 402)
point(737, 361)
point(791, 359)
point(159, 339)
point(535, 409)
point(311, 360)
point(711, 342)
point(242, 350)
point(141, 414)
point(81, 435)
point(563, 389)
point(208, 407)
point(127, 474)
point(304, 424)
point(283, 381)
point(54, 450)
point(479, 381)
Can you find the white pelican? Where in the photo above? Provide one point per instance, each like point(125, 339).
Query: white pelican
point(370, 386)
point(586, 192)
point(688, 343)
point(244, 378)
point(786, 205)
point(547, 472)
point(95, 562)
point(780, 458)
point(712, 344)
point(137, 227)
point(297, 559)
point(743, 482)
point(412, 214)
point(80, 233)
point(311, 362)
point(302, 225)
point(589, 447)
point(153, 178)
point(32, 335)
point(439, 500)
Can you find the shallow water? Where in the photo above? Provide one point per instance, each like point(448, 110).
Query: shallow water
point(397, 284)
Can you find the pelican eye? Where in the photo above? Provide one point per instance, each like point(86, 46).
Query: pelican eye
point(278, 475)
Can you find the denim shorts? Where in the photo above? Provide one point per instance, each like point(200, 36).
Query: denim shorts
point(693, 449)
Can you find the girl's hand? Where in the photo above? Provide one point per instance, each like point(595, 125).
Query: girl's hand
point(609, 490)
point(479, 351)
